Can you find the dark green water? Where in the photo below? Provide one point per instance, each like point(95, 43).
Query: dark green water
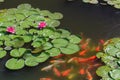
point(95, 21)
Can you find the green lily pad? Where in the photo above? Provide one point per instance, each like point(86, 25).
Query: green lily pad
point(24, 6)
point(27, 38)
point(42, 57)
point(103, 71)
point(70, 49)
point(2, 53)
point(31, 62)
point(36, 44)
point(58, 43)
point(64, 33)
point(15, 64)
point(53, 52)
point(17, 52)
point(74, 39)
point(18, 42)
point(47, 32)
point(99, 54)
point(115, 74)
point(47, 45)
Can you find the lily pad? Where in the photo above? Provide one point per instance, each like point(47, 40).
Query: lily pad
point(115, 74)
point(17, 52)
point(2, 53)
point(42, 57)
point(47, 45)
point(74, 39)
point(70, 49)
point(31, 62)
point(53, 52)
point(15, 64)
point(58, 43)
point(103, 71)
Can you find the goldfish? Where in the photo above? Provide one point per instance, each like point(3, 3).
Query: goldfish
point(102, 41)
point(97, 48)
point(66, 72)
point(82, 71)
point(47, 67)
point(82, 53)
point(45, 78)
point(57, 61)
point(56, 71)
point(89, 76)
point(59, 56)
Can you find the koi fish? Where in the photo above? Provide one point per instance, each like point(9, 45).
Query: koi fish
point(47, 67)
point(85, 44)
point(59, 56)
point(82, 71)
point(97, 48)
point(72, 59)
point(45, 78)
point(89, 76)
point(66, 72)
point(102, 41)
point(56, 71)
point(57, 61)
point(82, 53)
point(86, 59)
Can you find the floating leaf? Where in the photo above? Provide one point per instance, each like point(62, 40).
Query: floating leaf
point(70, 49)
point(74, 39)
point(15, 64)
point(27, 38)
point(31, 62)
point(58, 43)
point(47, 32)
point(115, 74)
point(47, 45)
point(53, 52)
point(24, 6)
point(42, 57)
point(2, 53)
point(17, 52)
point(103, 71)
point(65, 33)
point(36, 44)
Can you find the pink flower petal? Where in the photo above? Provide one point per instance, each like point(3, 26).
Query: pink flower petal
point(10, 29)
point(42, 25)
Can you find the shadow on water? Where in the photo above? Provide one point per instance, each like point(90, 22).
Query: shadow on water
point(95, 21)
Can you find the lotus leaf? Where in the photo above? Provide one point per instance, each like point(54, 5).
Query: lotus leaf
point(70, 49)
point(17, 52)
point(58, 43)
point(2, 53)
point(15, 64)
point(103, 71)
point(42, 57)
point(31, 62)
point(36, 44)
point(65, 33)
point(47, 45)
point(74, 39)
point(53, 52)
point(115, 74)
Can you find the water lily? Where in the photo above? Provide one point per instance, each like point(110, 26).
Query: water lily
point(10, 29)
point(42, 25)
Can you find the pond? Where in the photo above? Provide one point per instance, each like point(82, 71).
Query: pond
point(96, 22)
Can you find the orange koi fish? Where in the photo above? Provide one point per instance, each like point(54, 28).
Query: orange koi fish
point(86, 59)
point(56, 71)
point(82, 53)
point(59, 56)
point(89, 76)
point(102, 41)
point(66, 72)
point(97, 48)
point(82, 71)
point(45, 78)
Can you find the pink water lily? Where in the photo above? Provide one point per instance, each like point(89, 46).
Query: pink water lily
point(10, 29)
point(42, 25)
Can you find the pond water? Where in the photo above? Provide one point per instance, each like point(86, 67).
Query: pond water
point(94, 21)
